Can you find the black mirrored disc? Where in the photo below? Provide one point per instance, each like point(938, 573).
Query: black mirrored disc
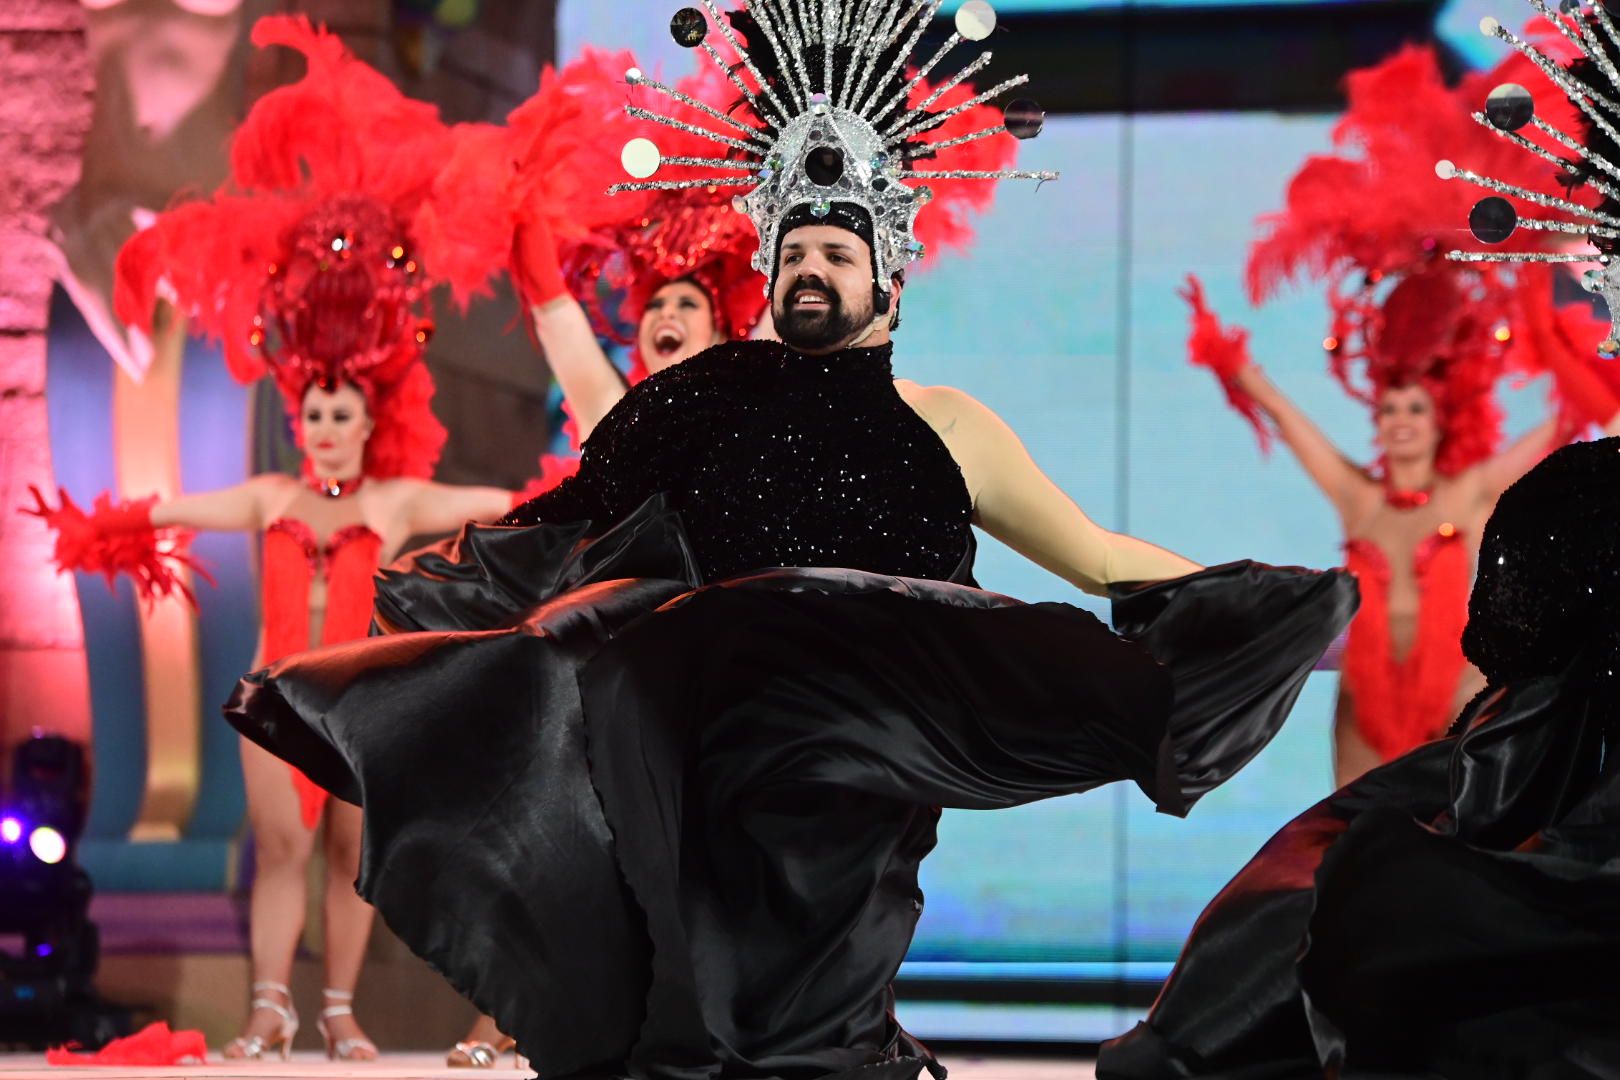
point(1509, 107)
point(1493, 219)
point(1024, 118)
point(688, 27)
point(824, 165)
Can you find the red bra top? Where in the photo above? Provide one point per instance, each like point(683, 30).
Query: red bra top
point(292, 558)
point(1401, 704)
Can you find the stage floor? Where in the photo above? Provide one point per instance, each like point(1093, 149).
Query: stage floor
point(432, 1067)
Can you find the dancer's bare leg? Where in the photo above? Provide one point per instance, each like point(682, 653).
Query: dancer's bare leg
point(1352, 754)
point(282, 848)
point(348, 924)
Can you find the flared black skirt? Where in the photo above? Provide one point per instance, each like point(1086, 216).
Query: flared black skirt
point(670, 829)
point(1454, 913)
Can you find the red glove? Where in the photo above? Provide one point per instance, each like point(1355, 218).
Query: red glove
point(535, 269)
point(1226, 353)
point(118, 538)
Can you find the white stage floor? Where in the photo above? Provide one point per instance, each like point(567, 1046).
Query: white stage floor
point(432, 1067)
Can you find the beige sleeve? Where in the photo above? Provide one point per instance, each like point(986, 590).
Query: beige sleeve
point(1015, 502)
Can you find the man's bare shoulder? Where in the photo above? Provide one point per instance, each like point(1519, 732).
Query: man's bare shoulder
point(946, 408)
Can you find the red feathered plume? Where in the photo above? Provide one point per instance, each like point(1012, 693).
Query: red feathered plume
point(946, 223)
point(154, 1046)
point(630, 245)
point(1373, 221)
point(315, 261)
point(1558, 340)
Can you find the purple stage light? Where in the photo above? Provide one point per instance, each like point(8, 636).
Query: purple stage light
point(11, 830)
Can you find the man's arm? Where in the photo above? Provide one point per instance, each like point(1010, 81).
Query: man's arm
point(1018, 504)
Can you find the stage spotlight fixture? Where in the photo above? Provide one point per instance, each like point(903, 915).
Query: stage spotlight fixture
point(49, 948)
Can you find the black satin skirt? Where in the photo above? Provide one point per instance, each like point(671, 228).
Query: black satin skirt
point(669, 829)
point(1454, 913)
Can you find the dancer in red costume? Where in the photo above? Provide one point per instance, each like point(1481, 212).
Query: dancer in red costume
point(1422, 342)
point(346, 207)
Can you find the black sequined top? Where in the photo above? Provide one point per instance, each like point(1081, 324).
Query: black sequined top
point(1548, 587)
point(775, 458)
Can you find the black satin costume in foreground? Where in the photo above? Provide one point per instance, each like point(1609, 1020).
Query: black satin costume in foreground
point(1456, 912)
point(648, 770)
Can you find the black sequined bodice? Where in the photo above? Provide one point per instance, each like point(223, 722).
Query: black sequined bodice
point(775, 458)
point(1548, 587)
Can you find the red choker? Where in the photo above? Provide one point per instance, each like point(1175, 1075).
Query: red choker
point(1405, 500)
point(333, 488)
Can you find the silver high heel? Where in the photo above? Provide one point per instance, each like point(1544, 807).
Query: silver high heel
point(481, 1055)
point(252, 1047)
point(357, 1049)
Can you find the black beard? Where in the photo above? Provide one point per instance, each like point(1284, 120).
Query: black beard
point(826, 328)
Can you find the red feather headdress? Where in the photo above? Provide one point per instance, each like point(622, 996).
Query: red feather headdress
point(1373, 221)
point(315, 261)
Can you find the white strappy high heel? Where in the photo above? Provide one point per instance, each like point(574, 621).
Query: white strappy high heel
point(252, 1047)
point(357, 1049)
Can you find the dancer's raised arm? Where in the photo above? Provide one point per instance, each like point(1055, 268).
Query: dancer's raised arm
point(1225, 351)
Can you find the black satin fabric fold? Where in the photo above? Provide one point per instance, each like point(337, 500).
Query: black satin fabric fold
point(670, 830)
point(1225, 659)
point(1455, 913)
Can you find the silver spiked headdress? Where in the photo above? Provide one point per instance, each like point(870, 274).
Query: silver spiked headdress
point(828, 116)
point(1590, 43)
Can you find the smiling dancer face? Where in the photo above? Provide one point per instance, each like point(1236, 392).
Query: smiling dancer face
point(335, 428)
point(677, 324)
point(1408, 426)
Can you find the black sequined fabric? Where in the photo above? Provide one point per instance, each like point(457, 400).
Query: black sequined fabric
point(1549, 567)
point(774, 458)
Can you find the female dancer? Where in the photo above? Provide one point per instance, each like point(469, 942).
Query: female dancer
point(340, 173)
point(1450, 913)
point(1431, 339)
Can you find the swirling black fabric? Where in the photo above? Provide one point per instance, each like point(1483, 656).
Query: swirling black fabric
point(1457, 911)
point(666, 823)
